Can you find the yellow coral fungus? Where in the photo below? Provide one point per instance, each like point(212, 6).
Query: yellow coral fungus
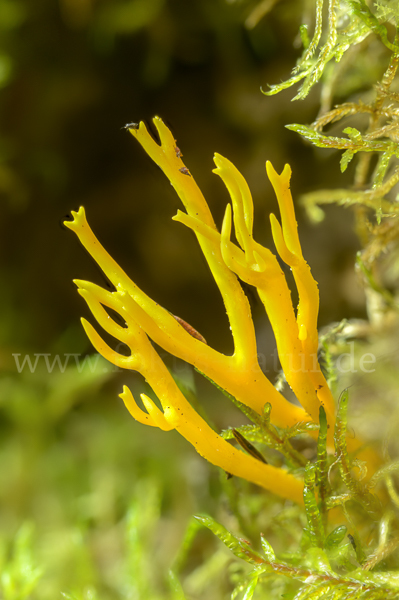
point(239, 374)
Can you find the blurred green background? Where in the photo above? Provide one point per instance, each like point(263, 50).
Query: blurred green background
point(93, 504)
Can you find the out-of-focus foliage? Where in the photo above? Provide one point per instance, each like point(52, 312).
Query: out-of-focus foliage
point(71, 466)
